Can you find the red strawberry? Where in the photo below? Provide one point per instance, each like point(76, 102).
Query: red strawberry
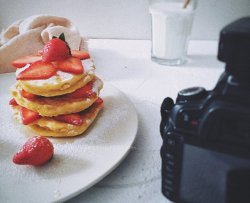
point(28, 116)
point(13, 102)
point(80, 54)
point(56, 49)
point(28, 95)
point(21, 62)
point(71, 65)
point(85, 91)
point(73, 119)
point(36, 71)
point(99, 101)
point(36, 151)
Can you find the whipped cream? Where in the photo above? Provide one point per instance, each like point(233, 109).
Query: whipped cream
point(61, 76)
point(88, 65)
point(96, 86)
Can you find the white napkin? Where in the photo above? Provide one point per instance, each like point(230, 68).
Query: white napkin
point(25, 37)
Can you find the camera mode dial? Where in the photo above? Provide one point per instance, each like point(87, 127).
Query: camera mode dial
point(192, 93)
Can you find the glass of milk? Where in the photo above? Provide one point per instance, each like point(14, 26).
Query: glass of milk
point(171, 28)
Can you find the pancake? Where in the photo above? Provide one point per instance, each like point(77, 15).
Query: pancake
point(60, 84)
point(57, 92)
point(58, 105)
point(49, 127)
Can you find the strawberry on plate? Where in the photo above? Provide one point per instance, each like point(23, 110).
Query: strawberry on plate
point(70, 65)
point(56, 49)
point(21, 62)
point(36, 71)
point(73, 119)
point(28, 116)
point(80, 54)
point(36, 151)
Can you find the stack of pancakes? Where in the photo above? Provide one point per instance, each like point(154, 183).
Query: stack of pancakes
point(58, 100)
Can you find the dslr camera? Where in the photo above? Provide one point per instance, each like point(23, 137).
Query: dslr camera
point(206, 134)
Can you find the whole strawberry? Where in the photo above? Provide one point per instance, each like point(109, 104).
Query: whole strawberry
point(36, 151)
point(56, 49)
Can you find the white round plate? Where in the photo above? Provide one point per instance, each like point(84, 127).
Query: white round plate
point(78, 163)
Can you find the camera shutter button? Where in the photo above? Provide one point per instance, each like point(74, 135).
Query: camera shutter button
point(192, 93)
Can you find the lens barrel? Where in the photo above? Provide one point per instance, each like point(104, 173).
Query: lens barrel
point(234, 47)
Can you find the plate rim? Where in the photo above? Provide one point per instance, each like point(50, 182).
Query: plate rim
point(66, 197)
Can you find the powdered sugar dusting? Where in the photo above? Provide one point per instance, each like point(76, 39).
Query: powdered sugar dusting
point(77, 162)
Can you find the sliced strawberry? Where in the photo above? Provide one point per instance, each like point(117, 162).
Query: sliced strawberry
point(28, 116)
point(28, 95)
point(13, 102)
point(73, 119)
point(56, 49)
point(36, 71)
point(80, 54)
point(36, 151)
point(70, 65)
point(84, 92)
point(21, 62)
point(99, 101)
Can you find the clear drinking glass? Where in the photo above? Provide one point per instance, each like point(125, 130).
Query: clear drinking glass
point(171, 27)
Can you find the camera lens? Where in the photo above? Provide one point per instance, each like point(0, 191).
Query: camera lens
point(234, 47)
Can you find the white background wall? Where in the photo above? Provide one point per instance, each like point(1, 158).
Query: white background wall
point(127, 19)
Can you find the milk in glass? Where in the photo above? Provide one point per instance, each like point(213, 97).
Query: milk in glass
point(171, 28)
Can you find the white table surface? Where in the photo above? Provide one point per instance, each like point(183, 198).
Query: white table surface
point(127, 65)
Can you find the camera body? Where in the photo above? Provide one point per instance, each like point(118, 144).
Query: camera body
point(206, 134)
